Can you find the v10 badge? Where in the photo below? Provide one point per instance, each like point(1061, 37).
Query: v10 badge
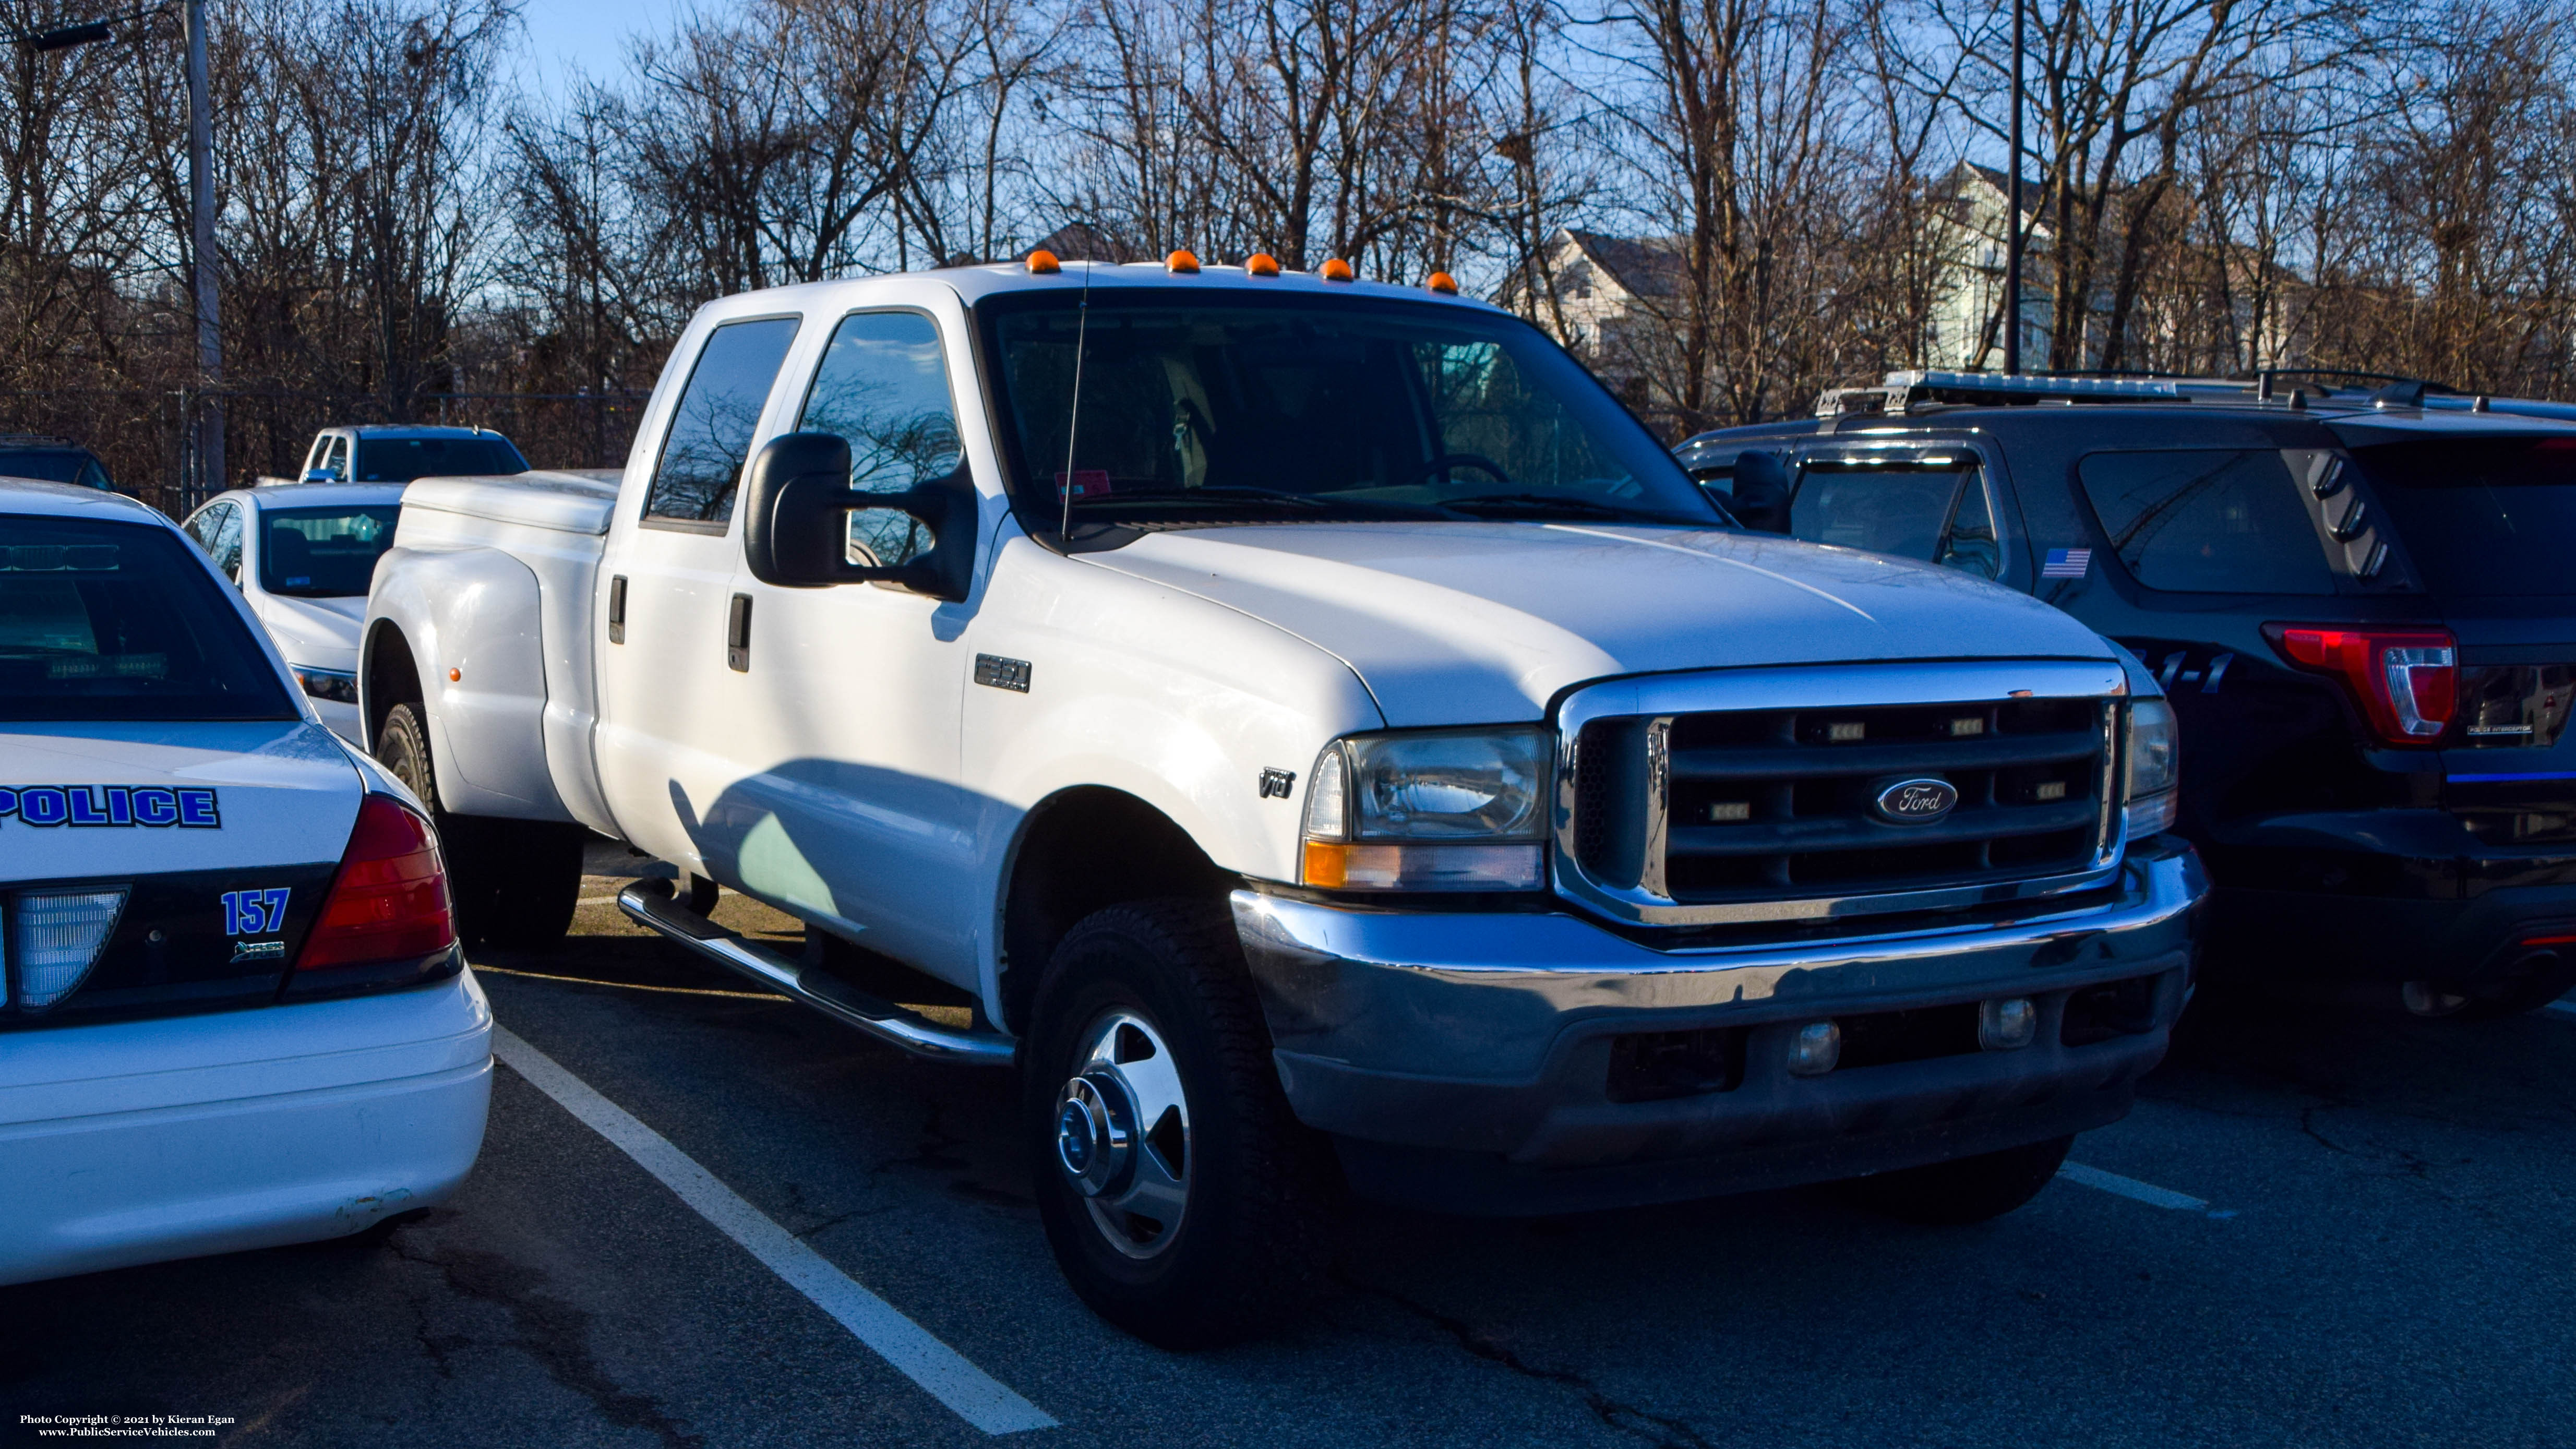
point(256, 913)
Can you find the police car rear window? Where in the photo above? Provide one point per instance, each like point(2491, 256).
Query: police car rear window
point(121, 622)
point(2207, 521)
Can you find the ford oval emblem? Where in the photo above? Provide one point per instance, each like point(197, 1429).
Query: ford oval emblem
point(1916, 802)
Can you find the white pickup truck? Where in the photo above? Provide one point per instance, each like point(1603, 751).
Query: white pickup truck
point(1329, 742)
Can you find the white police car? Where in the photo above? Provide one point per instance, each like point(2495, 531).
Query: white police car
point(303, 554)
point(233, 1012)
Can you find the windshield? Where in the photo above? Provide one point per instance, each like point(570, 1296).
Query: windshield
point(54, 465)
point(121, 622)
point(2483, 516)
point(1298, 408)
point(323, 553)
point(400, 460)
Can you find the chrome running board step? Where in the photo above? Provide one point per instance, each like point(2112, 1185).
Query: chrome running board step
point(649, 903)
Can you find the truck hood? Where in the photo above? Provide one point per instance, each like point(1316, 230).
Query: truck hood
point(254, 794)
point(1453, 623)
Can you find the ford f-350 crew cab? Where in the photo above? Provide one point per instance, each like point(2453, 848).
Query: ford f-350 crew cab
point(1329, 741)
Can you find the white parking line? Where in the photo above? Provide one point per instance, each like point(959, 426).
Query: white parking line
point(2131, 1188)
point(976, 1396)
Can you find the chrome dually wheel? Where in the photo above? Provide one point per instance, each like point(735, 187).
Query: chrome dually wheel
point(1183, 1199)
point(1123, 1134)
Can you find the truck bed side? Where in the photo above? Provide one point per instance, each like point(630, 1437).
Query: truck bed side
point(489, 589)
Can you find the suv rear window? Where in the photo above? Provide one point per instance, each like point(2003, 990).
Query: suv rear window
point(122, 622)
point(2207, 521)
point(2483, 516)
point(54, 465)
point(400, 460)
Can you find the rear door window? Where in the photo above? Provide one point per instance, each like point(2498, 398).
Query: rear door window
point(114, 622)
point(2483, 517)
point(711, 429)
point(1932, 508)
point(2207, 521)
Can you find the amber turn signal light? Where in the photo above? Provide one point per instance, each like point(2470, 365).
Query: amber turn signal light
point(1443, 283)
point(1261, 264)
point(1337, 270)
point(1042, 263)
point(1181, 264)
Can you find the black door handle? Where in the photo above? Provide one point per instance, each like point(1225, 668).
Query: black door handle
point(738, 634)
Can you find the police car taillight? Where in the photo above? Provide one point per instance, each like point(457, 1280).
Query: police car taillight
point(2405, 680)
point(389, 901)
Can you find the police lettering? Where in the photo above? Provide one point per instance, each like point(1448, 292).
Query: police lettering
point(110, 805)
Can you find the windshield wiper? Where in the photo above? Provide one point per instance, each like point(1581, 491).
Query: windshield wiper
point(1233, 493)
point(1549, 505)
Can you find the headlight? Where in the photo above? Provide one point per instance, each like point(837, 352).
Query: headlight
point(1444, 810)
point(2154, 756)
point(332, 684)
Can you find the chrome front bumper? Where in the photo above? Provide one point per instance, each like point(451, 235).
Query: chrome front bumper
point(1462, 1060)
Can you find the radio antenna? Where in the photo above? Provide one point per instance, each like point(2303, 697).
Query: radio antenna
point(1073, 415)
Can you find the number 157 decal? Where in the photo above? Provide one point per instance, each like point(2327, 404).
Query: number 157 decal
point(256, 912)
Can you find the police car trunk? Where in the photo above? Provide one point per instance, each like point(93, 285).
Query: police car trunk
point(172, 827)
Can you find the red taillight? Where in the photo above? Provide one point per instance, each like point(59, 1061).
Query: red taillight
point(2406, 680)
point(389, 901)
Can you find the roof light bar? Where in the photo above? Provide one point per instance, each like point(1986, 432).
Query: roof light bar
point(2044, 384)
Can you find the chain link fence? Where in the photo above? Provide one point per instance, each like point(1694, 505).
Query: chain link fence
point(143, 436)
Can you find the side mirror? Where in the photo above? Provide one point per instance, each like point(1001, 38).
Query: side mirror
point(797, 501)
point(1762, 491)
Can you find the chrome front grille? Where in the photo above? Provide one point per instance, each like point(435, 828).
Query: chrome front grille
point(1698, 800)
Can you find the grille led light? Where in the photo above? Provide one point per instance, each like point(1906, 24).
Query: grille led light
point(55, 938)
point(1816, 1049)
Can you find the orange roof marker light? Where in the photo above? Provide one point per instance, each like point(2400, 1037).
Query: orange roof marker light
point(1443, 283)
point(1181, 264)
point(1042, 263)
point(1337, 270)
point(1261, 264)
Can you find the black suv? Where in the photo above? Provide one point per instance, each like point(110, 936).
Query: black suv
point(2361, 599)
point(52, 460)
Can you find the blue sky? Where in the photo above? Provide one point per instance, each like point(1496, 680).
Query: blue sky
point(588, 35)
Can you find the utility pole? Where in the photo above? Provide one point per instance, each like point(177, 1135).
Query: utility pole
point(201, 206)
point(2012, 209)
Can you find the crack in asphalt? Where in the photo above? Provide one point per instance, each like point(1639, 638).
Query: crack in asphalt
point(1662, 1430)
point(837, 1219)
point(931, 1147)
point(551, 1331)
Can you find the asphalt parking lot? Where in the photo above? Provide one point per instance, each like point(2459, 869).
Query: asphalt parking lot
point(2323, 1226)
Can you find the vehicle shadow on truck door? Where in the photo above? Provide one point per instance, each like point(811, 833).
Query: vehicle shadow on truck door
point(858, 849)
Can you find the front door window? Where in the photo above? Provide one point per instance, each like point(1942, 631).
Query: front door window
point(883, 384)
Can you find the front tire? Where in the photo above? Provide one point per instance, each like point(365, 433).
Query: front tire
point(1964, 1189)
point(1183, 1200)
point(516, 883)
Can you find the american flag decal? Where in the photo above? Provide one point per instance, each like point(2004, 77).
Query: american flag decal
point(2067, 563)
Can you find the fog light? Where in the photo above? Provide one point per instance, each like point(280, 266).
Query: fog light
point(1815, 1049)
point(2007, 1024)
